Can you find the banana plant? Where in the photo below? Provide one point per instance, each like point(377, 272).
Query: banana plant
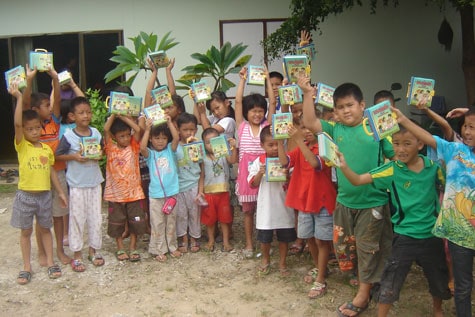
point(129, 61)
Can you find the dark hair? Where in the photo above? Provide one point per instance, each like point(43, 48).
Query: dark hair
point(347, 90)
point(252, 101)
point(65, 110)
point(221, 97)
point(384, 94)
point(208, 131)
point(119, 126)
point(125, 89)
point(162, 129)
point(37, 98)
point(186, 117)
point(265, 133)
point(78, 101)
point(179, 103)
point(29, 115)
point(276, 75)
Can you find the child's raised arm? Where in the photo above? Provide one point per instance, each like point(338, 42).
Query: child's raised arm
point(30, 75)
point(145, 137)
point(108, 124)
point(170, 80)
point(150, 84)
point(56, 92)
point(283, 159)
point(270, 94)
point(18, 116)
point(296, 135)
point(444, 125)
point(77, 91)
point(305, 37)
point(419, 132)
point(457, 112)
point(354, 178)
point(175, 135)
point(310, 120)
point(234, 157)
point(133, 125)
point(238, 112)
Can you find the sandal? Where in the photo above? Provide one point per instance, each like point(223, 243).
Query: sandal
point(311, 276)
point(228, 248)
point(248, 253)
point(296, 249)
point(318, 290)
point(263, 270)
point(24, 277)
point(77, 265)
point(160, 258)
point(349, 306)
point(209, 247)
point(96, 259)
point(134, 256)
point(54, 272)
point(121, 255)
point(194, 247)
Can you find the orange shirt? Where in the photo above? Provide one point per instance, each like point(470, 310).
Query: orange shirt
point(50, 136)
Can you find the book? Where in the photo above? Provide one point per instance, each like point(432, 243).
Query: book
point(202, 91)
point(274, 170)
point(290, 94)
point(296, 66)
point(162, 96)
point(64, 77)
point(91, 147)
point(324, 95)
point(307, 50)
point(17, 76)
point(420, 90)
point(281, 122)
point(327, 149)
point(135, 106)
point(159, 59)
point(220, 146)
point(381, 119)
point(119, 103)
point(194, 151)
point(41, 59)
point(155, 113)
point(256, 75)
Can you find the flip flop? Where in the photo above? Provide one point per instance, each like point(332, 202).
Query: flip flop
point(318, 290)
point(119, 254)
point(77, 265)
point(353, 308)
point(134, 256)
point(96, 259)
point(160, 258)
point(263, 270)
point(24, 277)
point(54, 272)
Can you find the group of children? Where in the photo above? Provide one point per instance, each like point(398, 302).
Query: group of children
point(378, 242)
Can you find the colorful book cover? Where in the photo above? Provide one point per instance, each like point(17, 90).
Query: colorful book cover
point(91, 147)
point(256, 75)
point(420, 90)
point(381, 119)
point(290, 94)
point(307, 50)
point(135, 106)
point(64, 77)
point(194, 151)
point(202, 91)
point(324, 95)
point(281, 122)
point(162, 96)
point(17, 76)
point(155, 113)
point(220, 146)
point(159, 59)
point(119, 103)
point(296, 66)
point(274, 170)
point(41, 59)
point(327, 149)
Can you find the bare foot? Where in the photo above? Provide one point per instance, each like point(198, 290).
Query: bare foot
point(63, 258)
point(42, 260)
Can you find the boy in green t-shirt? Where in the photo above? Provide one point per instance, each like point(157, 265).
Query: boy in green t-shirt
point(413, 181)
point(362, 225)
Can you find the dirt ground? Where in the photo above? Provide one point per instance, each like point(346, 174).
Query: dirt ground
point(197, 284)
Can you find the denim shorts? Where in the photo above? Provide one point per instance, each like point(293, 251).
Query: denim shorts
point(283, 235)
point(318, 225)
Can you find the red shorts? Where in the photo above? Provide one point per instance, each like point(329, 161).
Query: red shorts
point(218, 209)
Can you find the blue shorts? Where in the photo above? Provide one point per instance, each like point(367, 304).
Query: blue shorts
point(315, 225)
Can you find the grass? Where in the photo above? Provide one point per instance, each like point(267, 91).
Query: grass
point(8, 188)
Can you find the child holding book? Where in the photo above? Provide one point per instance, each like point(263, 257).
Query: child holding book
point(188, 212)
point(250, 118)
point(214, 186)
point(33, 198)
point(160, 158)
point(123, 188)
point(312, 193)
point(362, 224)
point(84, 178)
point(271, 214)
point(222, 114)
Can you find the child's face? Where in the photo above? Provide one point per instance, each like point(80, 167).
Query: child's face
point(276, 83)
point(44, 110)
point(468, 130)
point(82, 115)
point(32, 130)
point(159, 142)
point(123, 138)
point(172, 111)
point(207, 143)
point(406, 146)
point(297, 110)
point(187, 130)
point(219, 109)
point(270, 147)
point(308, 135)
point(384, 99)
point(349, 111)
point(255, 115)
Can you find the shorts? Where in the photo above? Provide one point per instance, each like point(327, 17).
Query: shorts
point(218, 209)
point(283, 235)
point(248, 206)
point(428, 253)
point(59, 211)
point(131, 212)
point(27, 205)
point(315, 225)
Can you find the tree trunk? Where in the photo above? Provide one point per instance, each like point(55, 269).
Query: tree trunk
point(468, 51)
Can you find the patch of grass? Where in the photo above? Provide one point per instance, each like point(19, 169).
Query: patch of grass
point(8, 188)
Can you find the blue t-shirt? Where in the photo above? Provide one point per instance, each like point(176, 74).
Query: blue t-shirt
point(162, 166)
point(188, 172)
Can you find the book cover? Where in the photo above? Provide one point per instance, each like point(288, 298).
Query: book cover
point(420, 90)
point(155, 113)
point(119, 103)
point(296, 66)
point(194, 151)
point(327, 149)
point(381, 119)
point(202, 91)
point(281, 122)
point(324, 95)
point(64, 77)
point(91, 147)
point(41, 59)
point(256, 75)
point(17, 76)
point(159, 59)
point(274, 170)
point(290, 94)
point(135, 106)
point(307, 50)
point(162, 96)
point(220, 146)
